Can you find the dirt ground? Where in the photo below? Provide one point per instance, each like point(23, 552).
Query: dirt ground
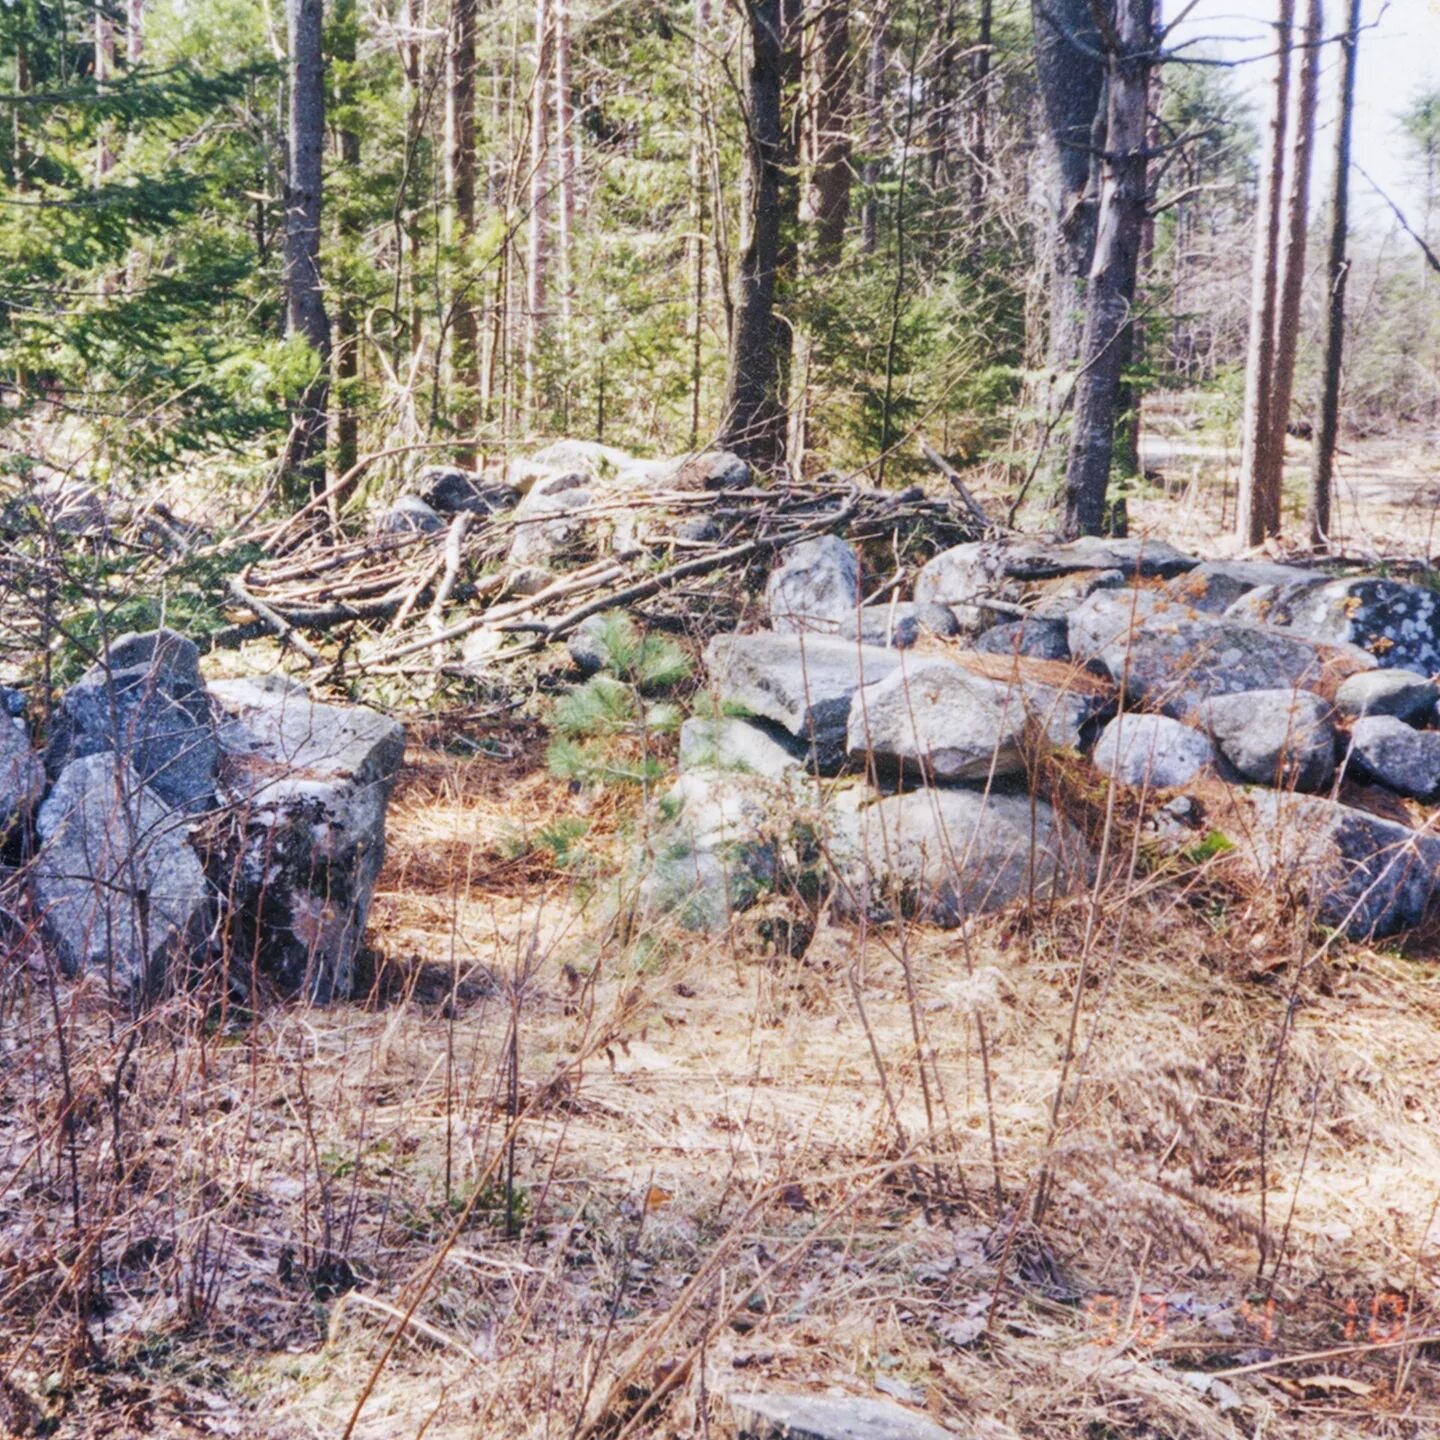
point(1158, 1160)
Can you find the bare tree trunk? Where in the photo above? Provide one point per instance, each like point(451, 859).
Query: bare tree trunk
point(104, 73)
point(1071, 73)
point(347, 338)
point(980, 116)
point(874, 129)
point(754, 425)
point(1110, 289)
point(565, 141)
point(695, 323)
point(539, 250)
point(134, 31)
point(1253, 517)
point(460, 181)
point(304, 294)
point(828, 198)
point(1337, 269)
point(1297, 225)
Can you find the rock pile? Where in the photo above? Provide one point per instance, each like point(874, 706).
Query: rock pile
point(187, 824)
point(882, 753)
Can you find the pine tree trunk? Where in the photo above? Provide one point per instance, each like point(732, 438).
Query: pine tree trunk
point(980, 117)
point(1297, 218)
point(539, 247)
point(1253, 518)
point(104, 73)
point(695, 259)
point(134, 31)
point(1110, 288)
point(347, 338)
point(874, 130)
point(460, 175)
point(566, 141)
point(1337, 269)
point(305, 315)
point(754, 425)
point(829, 190)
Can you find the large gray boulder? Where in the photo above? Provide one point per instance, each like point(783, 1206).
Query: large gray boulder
point(1383, 748)
point(1401, 693)
point(1398, 624)
point(1035, 637)
point(727, 743)
point(1214, 585)
point(1152, 750)
point(448, 490)
point(550, 524)
point(308, 784)
point(712, 470)
point(1275, 737)
point(941, 855)
point(815, 587)
point(119, 886)
point(941, 721)
point(1173, 660)
point(1007, 569)
point(1365, 876)
point(804, 683)
point(147, 702)
point(767, 1415)
point(22, 776)
point(900, 624)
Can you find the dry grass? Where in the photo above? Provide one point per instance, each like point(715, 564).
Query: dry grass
point(542, 1184)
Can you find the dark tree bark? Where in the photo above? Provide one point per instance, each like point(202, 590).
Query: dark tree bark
point(829, 199)
point(304, 295)
point(460, 176)
point(1110, 289)
point(1070, 69)
point(347, 336)
point(1337, 269)
point(754, 425)
point(1253, 518)
point(874, 129)
point(980, 116)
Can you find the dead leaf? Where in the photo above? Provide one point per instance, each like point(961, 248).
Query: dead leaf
point(1330, 1384)
point(656, 1196)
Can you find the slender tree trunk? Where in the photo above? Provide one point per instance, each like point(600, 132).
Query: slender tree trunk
point(1110, 289)
point(305, 315)
point(565, 146)
point(347, 339)
point(754, 425)
point(695, 266)
point(104, 74)
point(874, 129)
point(1297, 227)
point(1337, 269)
point(980, 117)
point(134, 31)
point(1253, 518)
point(539, 251)
point(460, 176)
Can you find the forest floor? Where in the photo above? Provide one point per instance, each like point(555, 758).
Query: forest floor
point(549, 1178)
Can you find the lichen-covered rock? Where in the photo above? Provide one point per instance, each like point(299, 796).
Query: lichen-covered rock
point(1005, 569)
point(941, 855)
point(1383, 748)
point(1365, 876)
point(1274, 737)
point(22, 777)
point(449, 490)
point(712, 470)
point(120, 887)
point(1152, 750)
point(1035, 637)
point(586, 647)
point(1401, 693)
point(899, 625)
point(728, 744)
point(309, 784)
point(1214, 585)
point(409, 514)
point(938, 720)
point(804, 683)
point(814, 588)
point(1398, 624)
point(550, 524)
point(147, 702)
point(1173, 660)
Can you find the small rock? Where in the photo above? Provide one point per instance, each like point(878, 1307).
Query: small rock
point(815, 586)
point(899, 625)
point(22, 777)
point(117, 880)
point(802, 682)
point(942, 855)
point(1039, 639)
point(1283, 738)
point(772, 1416)
point(1401, 693)
point(448, 491)
point(1383, 748)
point(701, 529)
point(713, 470)
point(1152, 750)
point(550, 526)
point(1173, 660)
point(409, 514)
point(146, 701)
point(1396, 623)
point(13, 702)
point(939, 721)
point(310, 784)
point(1214, 585)
point(730, 744)
point(585, 644)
